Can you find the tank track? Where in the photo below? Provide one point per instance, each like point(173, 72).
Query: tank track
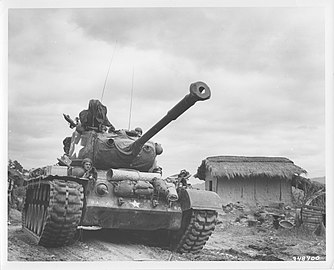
point(197, 227)
point(52, 211)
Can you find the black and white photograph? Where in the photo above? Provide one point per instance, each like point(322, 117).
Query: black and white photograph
point(167, 135)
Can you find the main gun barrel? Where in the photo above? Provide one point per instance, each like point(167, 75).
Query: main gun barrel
point(198, 91)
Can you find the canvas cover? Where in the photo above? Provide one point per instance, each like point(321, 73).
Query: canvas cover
point(95, 116)
point(109, 150)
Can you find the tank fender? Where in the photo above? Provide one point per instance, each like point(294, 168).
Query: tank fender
point(199, 199)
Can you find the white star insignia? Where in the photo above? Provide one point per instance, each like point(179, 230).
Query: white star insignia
point(135, 204)
point(77, 148)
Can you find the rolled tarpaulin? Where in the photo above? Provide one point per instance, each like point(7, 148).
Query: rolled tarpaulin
point(172, 194)
point(166, 188)
point(118, 175)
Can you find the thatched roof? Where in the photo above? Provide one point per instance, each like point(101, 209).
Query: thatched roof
point(245, 167)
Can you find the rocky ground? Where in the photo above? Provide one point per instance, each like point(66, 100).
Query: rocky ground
point(236, 238)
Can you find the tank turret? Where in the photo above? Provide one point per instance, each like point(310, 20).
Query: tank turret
point(125, 149)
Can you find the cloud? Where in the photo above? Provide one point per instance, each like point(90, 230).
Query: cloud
point(270, 40)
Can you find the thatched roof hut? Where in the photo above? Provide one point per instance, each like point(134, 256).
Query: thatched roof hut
point(239, 166)
point(251, 180)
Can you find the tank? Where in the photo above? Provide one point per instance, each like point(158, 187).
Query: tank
point(111, 180)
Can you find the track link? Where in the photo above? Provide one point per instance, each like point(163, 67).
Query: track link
point(52, 211)
point(196, 230)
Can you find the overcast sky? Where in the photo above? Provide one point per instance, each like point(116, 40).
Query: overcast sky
point(265, 68)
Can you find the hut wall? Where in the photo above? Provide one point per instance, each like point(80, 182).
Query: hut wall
point(280, 191)
point(286, 191)
point(252, 191)
point(248, 191)
point(234, 190)
point(211, 183)
point(224, 190)
point(268, 191)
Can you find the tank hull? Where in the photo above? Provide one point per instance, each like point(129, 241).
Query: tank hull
point(58, 203)
point(124, 209)
point(131, 219)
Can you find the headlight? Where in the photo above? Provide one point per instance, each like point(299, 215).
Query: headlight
point(102, 189)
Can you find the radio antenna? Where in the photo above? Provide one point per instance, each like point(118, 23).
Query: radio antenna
point(105, 81)
point(133, 74)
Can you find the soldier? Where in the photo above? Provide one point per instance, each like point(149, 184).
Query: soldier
point(182, 178)
point(104, 129)
point(139, 131)
point(95, 117)
point(111, 129)
point(90, 171)
point(67, 145)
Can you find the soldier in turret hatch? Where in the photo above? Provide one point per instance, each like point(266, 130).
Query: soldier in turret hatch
point(95, 117)
point(139, 131)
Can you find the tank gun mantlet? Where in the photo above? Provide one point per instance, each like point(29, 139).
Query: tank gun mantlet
point(123, 140)
point(125, 147)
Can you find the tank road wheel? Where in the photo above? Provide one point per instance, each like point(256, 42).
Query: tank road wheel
point(52, 211)
point(197, 226)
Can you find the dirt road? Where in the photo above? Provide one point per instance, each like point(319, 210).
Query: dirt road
point(230, 241)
